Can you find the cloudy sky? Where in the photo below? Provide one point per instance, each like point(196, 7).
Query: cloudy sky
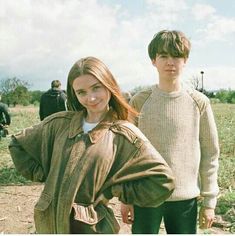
point(40, 39)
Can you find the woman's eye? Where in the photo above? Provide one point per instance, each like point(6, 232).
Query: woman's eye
point(96, 87)
point(80, 93)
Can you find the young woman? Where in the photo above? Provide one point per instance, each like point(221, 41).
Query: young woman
point(88, 155)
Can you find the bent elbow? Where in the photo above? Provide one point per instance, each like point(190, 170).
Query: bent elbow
point(163, 189)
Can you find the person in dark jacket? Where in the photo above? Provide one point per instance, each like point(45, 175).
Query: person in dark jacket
point(5, 119)
point(52, 101)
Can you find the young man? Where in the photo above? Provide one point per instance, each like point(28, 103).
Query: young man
point(180, 124)
point(52, 101)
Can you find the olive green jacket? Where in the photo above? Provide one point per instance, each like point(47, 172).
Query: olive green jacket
point(114, 158)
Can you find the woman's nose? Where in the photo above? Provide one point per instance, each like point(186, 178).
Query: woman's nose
point(91, 98)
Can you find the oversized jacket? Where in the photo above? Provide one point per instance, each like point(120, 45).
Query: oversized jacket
point(114, 157)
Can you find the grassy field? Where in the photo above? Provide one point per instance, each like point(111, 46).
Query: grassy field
point(21, 117)
point(225, 119)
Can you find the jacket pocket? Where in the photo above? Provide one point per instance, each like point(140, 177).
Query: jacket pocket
point(43, 215)
point(87, 220)
point(87, 214)
point(108, 224)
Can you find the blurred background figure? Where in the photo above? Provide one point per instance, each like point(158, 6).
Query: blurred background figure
point(127, 96)
point(52, 101)
point(5, 119)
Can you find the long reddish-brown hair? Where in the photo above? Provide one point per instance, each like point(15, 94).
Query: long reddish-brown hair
point(95, 67)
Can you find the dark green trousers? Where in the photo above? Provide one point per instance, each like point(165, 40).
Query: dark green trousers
point(180, 217)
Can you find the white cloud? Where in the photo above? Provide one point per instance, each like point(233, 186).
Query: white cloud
point(220, 29)
point(203, 11)
point(38, 37)
point(168, 6)
point(41, 39)
point(45, 43)
point(166, 13)
point(214, 27)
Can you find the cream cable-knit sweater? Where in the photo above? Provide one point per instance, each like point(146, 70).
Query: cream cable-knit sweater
point(181, 126)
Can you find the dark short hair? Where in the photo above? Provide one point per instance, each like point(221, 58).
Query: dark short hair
point(55, 84)
point(174, 43)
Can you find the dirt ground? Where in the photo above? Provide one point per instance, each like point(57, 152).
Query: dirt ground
point(16, 214)
point(17, 203)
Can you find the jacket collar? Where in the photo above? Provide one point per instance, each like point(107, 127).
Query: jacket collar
point(75, 126)
point(95, 134)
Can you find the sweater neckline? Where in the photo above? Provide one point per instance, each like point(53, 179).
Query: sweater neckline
point(173, 94)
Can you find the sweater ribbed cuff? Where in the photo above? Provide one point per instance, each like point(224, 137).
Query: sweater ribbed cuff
point(209, 202)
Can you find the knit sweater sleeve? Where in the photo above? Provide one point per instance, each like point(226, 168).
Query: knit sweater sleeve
point(209, 158)
point(139, 100)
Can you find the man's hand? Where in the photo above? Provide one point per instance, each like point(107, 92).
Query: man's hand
point(127, 212)
point(206, 217)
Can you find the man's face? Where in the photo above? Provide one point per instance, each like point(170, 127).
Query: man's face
point(169, 67)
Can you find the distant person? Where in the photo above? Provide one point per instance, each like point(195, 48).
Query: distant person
point(127, 96)
point(88, 155)
point(5, 118)
point(52, 101)
point(179, 122)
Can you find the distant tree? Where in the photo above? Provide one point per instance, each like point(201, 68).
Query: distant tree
point(138, 89)
point(226, 96)
point(209, 94)
point(195, 82)
point(21, 96)
point(14, 91)
point(35, 96)
point(231, 96)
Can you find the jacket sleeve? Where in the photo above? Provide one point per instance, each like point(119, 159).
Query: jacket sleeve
point(63, 101)
point(209, 158)
point(26, 150)
point(143, 178)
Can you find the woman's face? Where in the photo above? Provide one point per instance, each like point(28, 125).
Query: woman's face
point(93, 95)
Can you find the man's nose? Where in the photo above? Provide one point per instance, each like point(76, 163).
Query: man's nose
point(170, 61)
